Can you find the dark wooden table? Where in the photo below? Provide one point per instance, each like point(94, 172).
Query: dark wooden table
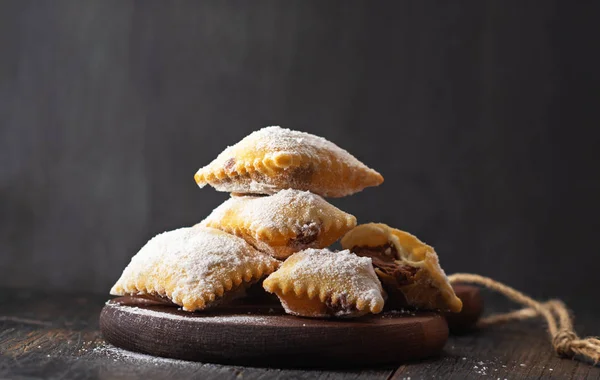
point(57, 336)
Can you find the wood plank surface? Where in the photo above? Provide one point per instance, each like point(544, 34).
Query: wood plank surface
point(57, 336)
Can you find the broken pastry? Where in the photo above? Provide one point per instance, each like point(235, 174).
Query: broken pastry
point(408, 268)
point(193, 267)
point(274, 158)
point(283, 223)
point(322, 283)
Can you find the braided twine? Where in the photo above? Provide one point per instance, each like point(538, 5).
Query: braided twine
point(560, 325)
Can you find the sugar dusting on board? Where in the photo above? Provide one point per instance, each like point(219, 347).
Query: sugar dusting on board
point(215, 318)
point(118, 354)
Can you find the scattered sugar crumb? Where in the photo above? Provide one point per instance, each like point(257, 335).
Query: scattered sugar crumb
point(480, 371)
point(403, 311)
point(118, 354)
point(391, 313)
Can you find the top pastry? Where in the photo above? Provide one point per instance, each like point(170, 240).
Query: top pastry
point(274, 158)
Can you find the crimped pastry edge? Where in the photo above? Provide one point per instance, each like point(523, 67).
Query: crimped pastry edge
point(270, 234)
point(276, 286)
point(216, 176)
point(204, 299)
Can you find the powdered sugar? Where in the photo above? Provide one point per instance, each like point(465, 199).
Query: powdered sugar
point(274, 158)
point(198, 316)
point(285, 210)
point(118, 354)
point(394, 313)
point(332, 275)
point(277, 139)
point(190, 264)
point(258, 188)
point(341, 265)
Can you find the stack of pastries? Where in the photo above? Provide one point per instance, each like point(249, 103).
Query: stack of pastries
point(276, 228)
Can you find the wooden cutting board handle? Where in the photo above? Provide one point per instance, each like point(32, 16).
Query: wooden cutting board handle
point(466, 320)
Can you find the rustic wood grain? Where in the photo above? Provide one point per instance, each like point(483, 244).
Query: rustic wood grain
point(57, 336)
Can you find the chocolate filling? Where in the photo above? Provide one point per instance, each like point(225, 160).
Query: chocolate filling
point(342, 305)
point(384, 258)
point(307, 234)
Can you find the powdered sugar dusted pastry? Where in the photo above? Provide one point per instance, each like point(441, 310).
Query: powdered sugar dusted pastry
point(283, 223)
point(408, 268)
point(275, 158)
point(193, 267)
point(322, 283)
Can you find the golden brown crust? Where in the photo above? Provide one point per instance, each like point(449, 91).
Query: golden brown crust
point(283, 223)
point(194, 268)
point(274, 159)
point(427, 286)
point(322, 283)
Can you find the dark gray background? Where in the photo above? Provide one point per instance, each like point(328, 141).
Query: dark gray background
point(482, 115)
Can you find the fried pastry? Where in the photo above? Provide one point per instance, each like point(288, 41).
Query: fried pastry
point(408, 268)
point(274, 158)
point(283, 223)
point(322, 283)
point(193, 267)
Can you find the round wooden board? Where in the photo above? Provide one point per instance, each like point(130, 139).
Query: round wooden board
point(260, 335)
point(256, 331)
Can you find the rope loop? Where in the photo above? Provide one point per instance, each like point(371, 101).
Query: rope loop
point(565, 341)
point(562, 343)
